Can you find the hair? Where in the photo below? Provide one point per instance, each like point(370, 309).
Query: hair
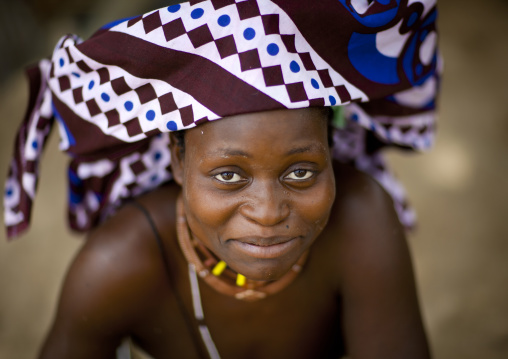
point(179, 136)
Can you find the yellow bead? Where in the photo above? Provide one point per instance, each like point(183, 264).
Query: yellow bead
point(240, 280)
point(219, 268)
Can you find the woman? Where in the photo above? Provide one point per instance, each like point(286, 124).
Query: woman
point(265, 246)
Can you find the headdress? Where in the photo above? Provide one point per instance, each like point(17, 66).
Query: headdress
point(116, 95)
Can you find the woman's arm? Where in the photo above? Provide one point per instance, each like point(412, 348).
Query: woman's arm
point(105, 291)
point(380, 306)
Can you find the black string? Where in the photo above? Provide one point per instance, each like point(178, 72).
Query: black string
point(188, 322)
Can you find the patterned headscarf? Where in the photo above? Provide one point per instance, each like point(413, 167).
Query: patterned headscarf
point(116, 95)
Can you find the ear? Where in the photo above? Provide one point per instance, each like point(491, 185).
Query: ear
point(177, 159)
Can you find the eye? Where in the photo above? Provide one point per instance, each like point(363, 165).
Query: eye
point(228, 177)
point(300, 175)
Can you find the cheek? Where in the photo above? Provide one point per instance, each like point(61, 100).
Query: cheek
point(205, 210)
point(314, 206)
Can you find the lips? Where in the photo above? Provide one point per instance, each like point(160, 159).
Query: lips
point(264, 241)
point(265, 248)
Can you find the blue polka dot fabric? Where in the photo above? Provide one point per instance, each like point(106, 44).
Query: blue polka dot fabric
point(135, 80)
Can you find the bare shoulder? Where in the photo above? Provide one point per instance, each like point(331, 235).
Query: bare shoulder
point(112, 281)
point(373, 261)
point(363, 214)
point(120, 263)
point(363, 220)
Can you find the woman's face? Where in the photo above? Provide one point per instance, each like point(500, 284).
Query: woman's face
point(258, 188)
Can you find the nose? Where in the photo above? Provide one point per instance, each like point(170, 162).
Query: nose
point(267, 204)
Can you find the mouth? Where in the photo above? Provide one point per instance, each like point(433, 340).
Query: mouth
point(265, 248)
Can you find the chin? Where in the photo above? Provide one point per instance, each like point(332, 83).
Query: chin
point(268, 270)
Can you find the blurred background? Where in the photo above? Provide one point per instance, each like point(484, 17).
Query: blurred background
point(460, 188)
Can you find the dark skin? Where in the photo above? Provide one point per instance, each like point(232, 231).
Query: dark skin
point(261, 177)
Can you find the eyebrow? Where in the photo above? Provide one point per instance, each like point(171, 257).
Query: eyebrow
point(231, 152)
point(240, 153)
point(309, 148)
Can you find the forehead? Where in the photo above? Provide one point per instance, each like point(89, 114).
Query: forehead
point(269, 129)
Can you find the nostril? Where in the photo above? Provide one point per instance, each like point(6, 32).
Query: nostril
point(266, 213)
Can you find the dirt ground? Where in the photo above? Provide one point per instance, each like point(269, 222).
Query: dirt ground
point(460, 190)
